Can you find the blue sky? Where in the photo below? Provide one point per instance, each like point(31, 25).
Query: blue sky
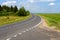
point(35, 6)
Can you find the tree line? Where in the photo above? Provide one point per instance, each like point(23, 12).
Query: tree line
point(6, 11)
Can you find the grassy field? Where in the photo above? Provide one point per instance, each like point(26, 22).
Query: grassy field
point(52, 19)
point(10, 19)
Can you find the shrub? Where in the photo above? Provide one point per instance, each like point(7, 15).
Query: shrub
point(23, 12)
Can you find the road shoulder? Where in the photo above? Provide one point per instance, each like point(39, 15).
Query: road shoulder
point(45, 25)
point(52, 32)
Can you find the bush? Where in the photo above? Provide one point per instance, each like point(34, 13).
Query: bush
point(22, 12)
point(27, 13)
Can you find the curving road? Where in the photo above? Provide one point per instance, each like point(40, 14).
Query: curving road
point(27, 30)
point(8, 31)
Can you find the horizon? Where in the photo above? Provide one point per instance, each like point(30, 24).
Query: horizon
point(35, 6)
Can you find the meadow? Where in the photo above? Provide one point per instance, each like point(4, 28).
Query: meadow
point(11, 19)
point(53, 20)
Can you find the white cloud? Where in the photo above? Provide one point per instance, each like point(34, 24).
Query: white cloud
point(41, 1)
point(9, 3)
point(47, 0)
point(51, 4)
point(31, 1)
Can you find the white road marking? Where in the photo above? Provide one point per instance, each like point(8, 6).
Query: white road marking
point(8, 39)
point(23, 31)
point(20, 33)
point(27, 30)
point(15, 35)
point(35, 26)
point(30, 28)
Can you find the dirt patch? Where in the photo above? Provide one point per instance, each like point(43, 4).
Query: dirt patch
point(44, 25)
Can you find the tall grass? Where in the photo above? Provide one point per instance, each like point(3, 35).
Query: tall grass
point(52, 19)
point(11, 19)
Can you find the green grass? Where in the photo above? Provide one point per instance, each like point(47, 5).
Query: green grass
point(11, 19)
point(52, 19)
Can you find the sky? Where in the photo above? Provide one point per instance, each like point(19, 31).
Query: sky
point(35, 6)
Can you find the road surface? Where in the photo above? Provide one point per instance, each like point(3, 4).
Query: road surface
point(26, 30)
point(10, 30)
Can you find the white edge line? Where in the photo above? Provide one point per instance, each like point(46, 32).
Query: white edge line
point(25, 31)
point(37, 24)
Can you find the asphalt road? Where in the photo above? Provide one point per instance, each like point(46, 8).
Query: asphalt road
point(27, 30)
point(9, 30)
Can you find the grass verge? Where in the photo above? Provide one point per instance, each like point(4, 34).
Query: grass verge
point(53, 20)
point(11, 19)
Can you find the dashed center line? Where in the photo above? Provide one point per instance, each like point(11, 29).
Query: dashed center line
point(8, 39)
point(22, 32)
point(15, 35)
point(30, 28)
point(27, 30)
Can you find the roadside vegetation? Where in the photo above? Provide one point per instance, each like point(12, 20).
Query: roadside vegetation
point(12, 14)
point(52, 20)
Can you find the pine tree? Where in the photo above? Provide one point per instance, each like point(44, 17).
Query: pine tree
point(15, 9)
point(6, 8)
point(11, 8)
point(0, 8)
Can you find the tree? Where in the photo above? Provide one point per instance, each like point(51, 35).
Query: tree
point(6, 11)
point(11, 8)
point(22, 12)
point(6, 8)
point(15, 9)
point(0, 8)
